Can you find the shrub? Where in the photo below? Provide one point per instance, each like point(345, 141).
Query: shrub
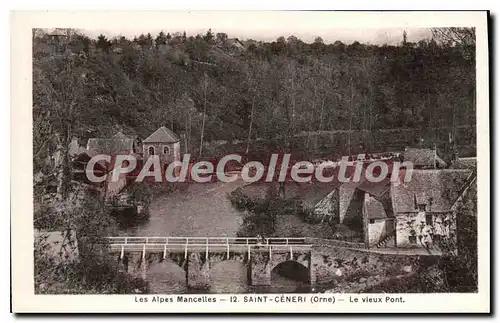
point(257, 224)
point(358, 274)
point(91, 272)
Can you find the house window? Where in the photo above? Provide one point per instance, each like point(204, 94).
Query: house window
point(428, 219)
point(372, 221)
point(166, 150)
point(151, 150)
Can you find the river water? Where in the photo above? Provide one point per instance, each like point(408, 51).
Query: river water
point(203, 210)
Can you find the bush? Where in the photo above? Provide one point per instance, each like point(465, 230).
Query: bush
point(45, 218)
point(257, 224)
point(357, 275)
point(241, 201)
point(262, 213)
point(90, 272)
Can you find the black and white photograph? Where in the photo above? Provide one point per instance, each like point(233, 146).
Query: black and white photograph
point(209, 162)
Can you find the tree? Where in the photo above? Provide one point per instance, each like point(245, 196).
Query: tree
point(318, 40)
point(103, 43)
point(461, 37)
point(318, 44)
point(145, 40)
point(290, 91)
point(59, 101)
point(455, 35)
point(209, 36)
point(161, 39)
point(205, 86)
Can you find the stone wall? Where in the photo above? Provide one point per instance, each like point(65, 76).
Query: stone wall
point(351, 207)
point(412, 230)
point(259, 263)
point(378, 230)
point(172, 153)
point(115, 187)
point(337, 264)
point(327, 264)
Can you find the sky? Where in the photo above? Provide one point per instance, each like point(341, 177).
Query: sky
point(372, 28)
point(371, 36)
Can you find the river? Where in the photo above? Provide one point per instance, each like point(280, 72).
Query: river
point(203, 210)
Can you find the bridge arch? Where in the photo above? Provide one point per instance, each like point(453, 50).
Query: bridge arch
point(292, 269)
point(229, 276)
point(166, 276)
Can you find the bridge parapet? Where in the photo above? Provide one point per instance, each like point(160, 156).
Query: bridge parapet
point(206, 240)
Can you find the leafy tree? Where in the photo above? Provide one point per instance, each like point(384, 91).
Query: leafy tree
point(462, 37)
point(161, 39)
point(103, 43)
point(209, 36)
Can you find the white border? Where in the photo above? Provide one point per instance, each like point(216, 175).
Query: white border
point(24, 299)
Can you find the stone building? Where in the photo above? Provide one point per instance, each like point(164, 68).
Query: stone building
point(118, 144)
point(423, 158)
point(415, 214)
point(379, 222)
point(423, 207)
point(164, 143)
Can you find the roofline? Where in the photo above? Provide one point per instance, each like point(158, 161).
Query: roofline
point(427, 212)
point(159, 142)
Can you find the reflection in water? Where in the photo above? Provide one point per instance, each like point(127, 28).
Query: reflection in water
point(229, 277)
point(203, 210)
point(167, 277)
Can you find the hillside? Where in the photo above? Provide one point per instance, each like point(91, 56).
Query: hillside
point(334, 96)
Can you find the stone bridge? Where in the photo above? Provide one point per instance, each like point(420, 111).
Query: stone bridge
point(197, 255)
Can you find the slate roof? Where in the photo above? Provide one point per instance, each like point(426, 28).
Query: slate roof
point(420, 157)
point(119, 143)
point(374, 208)
point(441, 187)
point(111, 146)
point(376, 189)
point(120, 135)
point(346, 195)
point(467, 162)
point(235, 42)
point(162, 135)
